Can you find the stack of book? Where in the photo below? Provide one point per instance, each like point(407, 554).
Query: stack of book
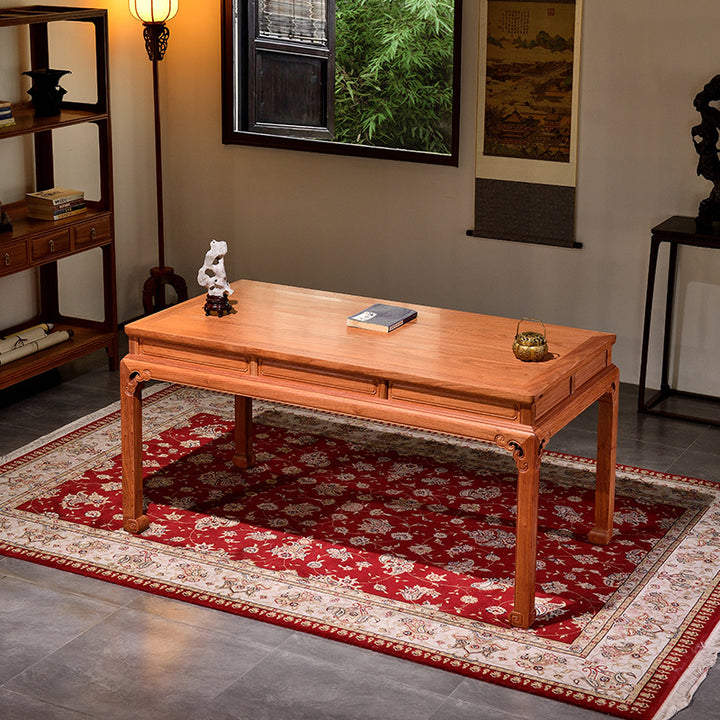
point(6, 116)
point(55, 204)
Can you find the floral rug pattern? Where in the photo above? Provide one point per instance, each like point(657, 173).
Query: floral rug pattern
point(389, 538)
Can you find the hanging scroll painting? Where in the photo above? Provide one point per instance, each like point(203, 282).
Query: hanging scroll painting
point(526, 154)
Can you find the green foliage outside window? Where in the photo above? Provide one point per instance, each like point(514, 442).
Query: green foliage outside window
point(393, 73)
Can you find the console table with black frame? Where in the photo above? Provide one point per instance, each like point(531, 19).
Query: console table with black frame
point(676, 230)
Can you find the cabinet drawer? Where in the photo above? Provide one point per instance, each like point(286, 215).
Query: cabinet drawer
point(91, 233)
point(47, 246)
point(12, 258)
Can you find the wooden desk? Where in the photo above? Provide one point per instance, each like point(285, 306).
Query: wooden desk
point(448, 371)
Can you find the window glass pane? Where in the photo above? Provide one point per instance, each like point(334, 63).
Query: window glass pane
point(394, 66)
point(297, 20)
point(375, 78)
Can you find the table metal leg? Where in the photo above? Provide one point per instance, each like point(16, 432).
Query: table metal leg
point(244, 456)
point(605, 474)
point(669, 302)
point(652, 267)
point(131, 384)
point(527, 459)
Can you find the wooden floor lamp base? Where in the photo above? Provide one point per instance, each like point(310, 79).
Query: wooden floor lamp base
point(154, 289)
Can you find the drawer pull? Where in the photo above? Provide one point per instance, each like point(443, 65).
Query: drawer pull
point(7, 258)
point(52, 246)
point(93, 234)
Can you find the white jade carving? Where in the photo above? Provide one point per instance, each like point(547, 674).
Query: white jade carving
point(212, 273)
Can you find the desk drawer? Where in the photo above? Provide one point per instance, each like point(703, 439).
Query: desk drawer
point(319, 378)
point(553, 396)
point(459, 402)
point(12, 258)
point(47, 246)
point(593, 367)
point(91, 233)
point(213, 360)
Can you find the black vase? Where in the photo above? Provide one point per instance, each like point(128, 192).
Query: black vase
point(45, 92)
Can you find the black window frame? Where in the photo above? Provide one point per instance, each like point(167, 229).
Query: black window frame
point(232, 107)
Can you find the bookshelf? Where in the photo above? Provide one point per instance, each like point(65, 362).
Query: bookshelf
point(37, 244)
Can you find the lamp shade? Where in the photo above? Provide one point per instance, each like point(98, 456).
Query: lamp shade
point(153, 11)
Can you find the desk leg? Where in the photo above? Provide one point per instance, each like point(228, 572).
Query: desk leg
point(131, 384)
point(605, 474)
point(244, 456)
point(527, 459)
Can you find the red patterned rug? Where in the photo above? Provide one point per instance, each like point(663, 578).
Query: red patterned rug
point(391, 539)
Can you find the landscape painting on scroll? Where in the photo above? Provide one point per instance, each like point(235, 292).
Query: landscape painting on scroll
point(529, 79)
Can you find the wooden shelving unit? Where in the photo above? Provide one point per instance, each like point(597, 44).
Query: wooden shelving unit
point(40, 244)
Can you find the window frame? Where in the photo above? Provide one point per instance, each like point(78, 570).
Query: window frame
point(232, 36)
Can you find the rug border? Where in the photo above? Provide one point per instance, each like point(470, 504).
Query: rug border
point(75, 425)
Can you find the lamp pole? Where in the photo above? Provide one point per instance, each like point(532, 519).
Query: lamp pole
point(158, 166)
point(153, 15)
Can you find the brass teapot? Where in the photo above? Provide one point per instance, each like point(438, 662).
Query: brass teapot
point(530, 346)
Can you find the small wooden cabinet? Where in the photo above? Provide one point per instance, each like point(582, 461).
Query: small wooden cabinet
point(40, 244)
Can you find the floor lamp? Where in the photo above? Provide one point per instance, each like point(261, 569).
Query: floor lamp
point(153, 14)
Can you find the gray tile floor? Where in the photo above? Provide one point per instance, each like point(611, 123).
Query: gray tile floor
point(73, 647)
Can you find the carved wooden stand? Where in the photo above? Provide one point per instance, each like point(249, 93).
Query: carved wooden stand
point(154, 289)
point(218, 304)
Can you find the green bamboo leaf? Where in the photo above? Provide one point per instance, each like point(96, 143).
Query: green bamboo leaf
point(395, 60)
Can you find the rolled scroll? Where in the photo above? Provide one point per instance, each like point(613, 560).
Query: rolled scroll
point(17, 340)
point(29, 348)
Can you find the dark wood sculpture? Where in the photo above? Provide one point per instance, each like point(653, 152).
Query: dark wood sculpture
point(5, 222)
point(705, 138)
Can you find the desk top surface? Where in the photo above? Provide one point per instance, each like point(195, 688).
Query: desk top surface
point(457, 350)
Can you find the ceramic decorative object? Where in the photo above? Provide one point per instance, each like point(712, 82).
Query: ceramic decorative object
point(530, 346)
point(46, 92)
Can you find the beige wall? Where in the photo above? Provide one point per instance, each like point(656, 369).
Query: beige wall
point(398, 230)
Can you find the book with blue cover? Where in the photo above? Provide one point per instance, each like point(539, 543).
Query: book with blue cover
point(6, 116)
point(382, 318)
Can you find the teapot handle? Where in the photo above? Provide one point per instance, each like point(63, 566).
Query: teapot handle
point(527, 319)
